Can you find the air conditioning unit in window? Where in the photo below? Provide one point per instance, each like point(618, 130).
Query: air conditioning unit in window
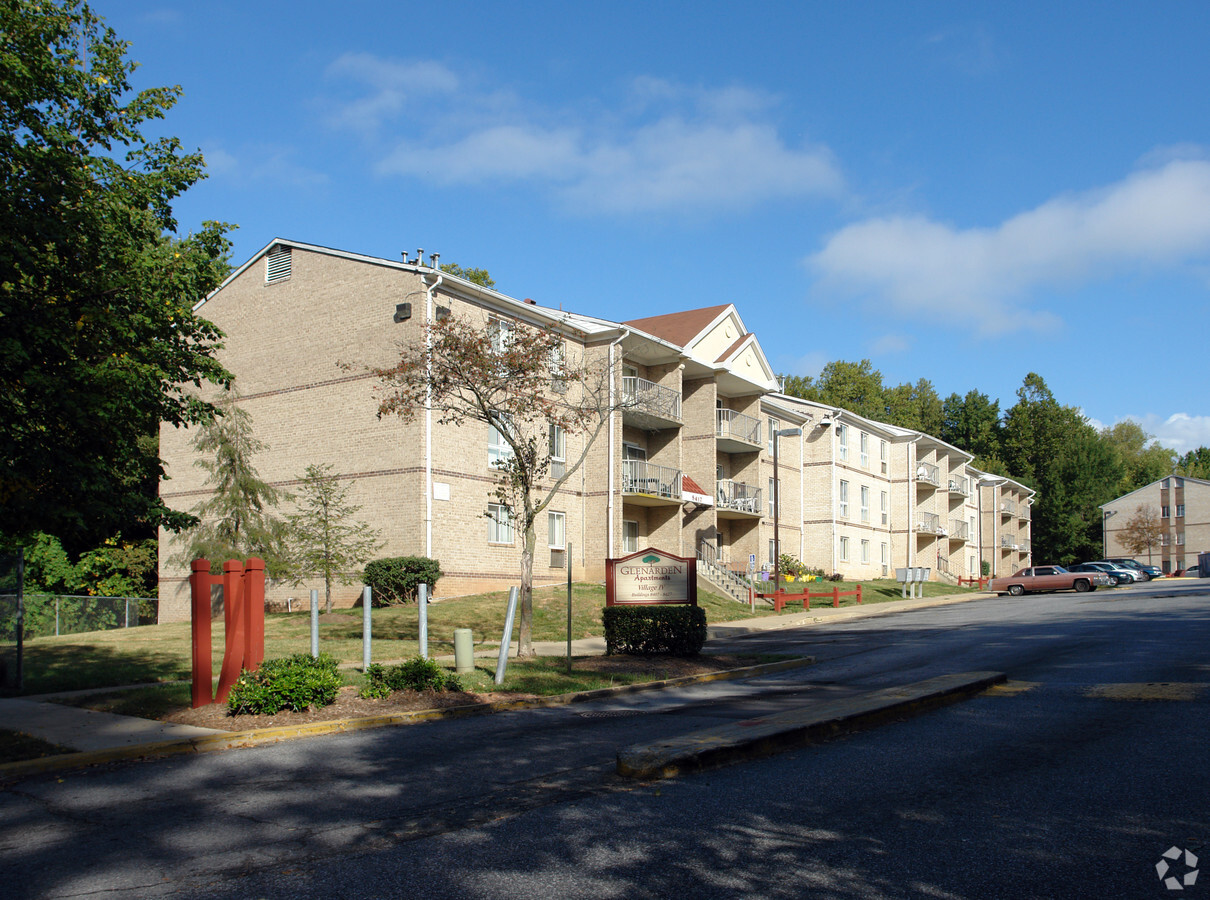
point(558, 559)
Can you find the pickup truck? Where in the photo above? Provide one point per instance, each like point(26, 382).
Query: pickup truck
point(1047, 578)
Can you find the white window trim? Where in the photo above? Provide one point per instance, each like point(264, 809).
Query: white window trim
point(843, 497)
point(498, 448)
point(500, 524)
point(865, 503)
point(844, 549)
point(626, 538)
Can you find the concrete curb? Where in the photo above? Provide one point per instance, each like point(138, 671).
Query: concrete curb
point(772, 734)
point(230, 740)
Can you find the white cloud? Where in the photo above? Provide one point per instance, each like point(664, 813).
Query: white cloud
point(664, 147)
point(1180, 431)
point(981, 276)
point(261, 165)
point(889, 343)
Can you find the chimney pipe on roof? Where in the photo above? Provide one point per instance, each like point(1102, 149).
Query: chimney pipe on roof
point(420, 256)
point(433, 259)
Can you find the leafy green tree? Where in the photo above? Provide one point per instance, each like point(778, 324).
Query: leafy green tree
point(97, 335)
point(1143, 459)
point(120, 568)
point(972, 423)
point(856, 387)
point(478, 276)
point(1195, 463)
point(801, 386)
point(236, 521)
point(325, 539)
point(916, 406)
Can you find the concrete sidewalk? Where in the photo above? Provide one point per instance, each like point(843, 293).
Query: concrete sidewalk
point(99, 736)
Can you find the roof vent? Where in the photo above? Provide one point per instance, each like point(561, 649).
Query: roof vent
point(277, 264)
point(531, 301)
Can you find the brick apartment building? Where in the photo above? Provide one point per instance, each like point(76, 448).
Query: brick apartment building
point(686, 466)
point(1183, 506)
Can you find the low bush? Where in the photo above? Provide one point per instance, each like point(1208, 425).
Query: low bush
point(295, 682)
point(654, 630)
point(397, 579)
point(416, 674)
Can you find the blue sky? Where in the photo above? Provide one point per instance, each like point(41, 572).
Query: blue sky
point(963, 192)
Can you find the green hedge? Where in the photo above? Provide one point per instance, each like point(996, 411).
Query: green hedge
point(397, 579)
point(415, 674)
point(652, 630)
point(295, 682)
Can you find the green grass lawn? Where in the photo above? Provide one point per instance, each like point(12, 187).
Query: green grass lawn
point(161, 653)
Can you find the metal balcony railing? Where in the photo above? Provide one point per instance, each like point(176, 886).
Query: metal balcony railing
point(739, 496)
point(642, 477)
point(928, 473)
point(647, 396)
point(732, 424)
point(960, 530)
point(1008, 542)
point(928, 522)
point(1008, 507)
point(960, 486)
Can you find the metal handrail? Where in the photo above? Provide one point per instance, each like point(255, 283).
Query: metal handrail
point(930, 522)
point(929, 473)
point(642, 477)
point(739, 496)
point(650, 397)
point(730, 423)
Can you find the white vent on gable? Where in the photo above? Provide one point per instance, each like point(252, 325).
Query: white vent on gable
point(277, 265)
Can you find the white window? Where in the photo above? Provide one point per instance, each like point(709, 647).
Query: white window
point(885, 553)
point(844, 499)
point(844, 549)
point(886, 508)
point(1180, 538)
point(772, 505)
point(499, 450)
point(842, 440)
point(501, 334)
point(556, 539)
point(883, 455)
point(865, 504)
point(865, 553)
point(630, 536)
point(772, 553)
point(865, 450)
point(1180, 510)
point(558, 368)
point(558, 451)
point(973, 565)
point(774, 424)
point(499, 524)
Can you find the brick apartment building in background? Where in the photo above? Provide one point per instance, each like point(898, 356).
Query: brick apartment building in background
point(686, 467)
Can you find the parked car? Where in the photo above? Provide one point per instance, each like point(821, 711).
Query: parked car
point(1117, 574)
point(1150, 571)
point(1047, 578)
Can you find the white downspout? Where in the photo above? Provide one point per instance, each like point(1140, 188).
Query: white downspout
point(428, 421)
point(609, 511)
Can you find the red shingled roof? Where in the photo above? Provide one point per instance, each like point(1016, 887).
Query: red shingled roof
point(678, 328)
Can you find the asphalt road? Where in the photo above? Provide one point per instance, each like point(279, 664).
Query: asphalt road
point(1071, 781)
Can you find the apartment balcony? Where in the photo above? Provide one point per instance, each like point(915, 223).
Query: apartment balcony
point(1023, 513)
point(737, 500)
point(960, 486)
point(650, 406)
point(1008, 507)
point(646, 484)
point(736, 432)
point(1023, 546)
point(1008, 542)
point(928, 523)
point(928, 476)
point(959, 531)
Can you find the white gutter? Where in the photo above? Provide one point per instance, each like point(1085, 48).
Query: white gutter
point(609, 503)
point(428, 418)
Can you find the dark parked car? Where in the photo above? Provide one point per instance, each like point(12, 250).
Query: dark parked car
point(1117, 574)
point(1151, 571)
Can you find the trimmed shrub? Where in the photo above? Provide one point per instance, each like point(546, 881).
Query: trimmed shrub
point(295, 682)
point(654, 630)
point(397, 579)
point(415, 674)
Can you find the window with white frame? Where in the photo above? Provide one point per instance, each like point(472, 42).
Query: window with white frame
point(773, 424)
point(865, 504)
point(842, 441)
point(630, 536)
point(556, 539)
point(865, 553)
point(558, 451)
point(883, 456)
point(973, 565)
point(499, 450)
point(885, 553)
point(885, 500)
point(844, 499)
point(772, 505)
point(844, 549)
point(499, 524)
point(558, 368)
point(500, 331)
point(864, 450)
point(1180, 538)
point(1164, 510)
point(1180, 510)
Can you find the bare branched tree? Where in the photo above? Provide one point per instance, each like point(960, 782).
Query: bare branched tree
point(1142, 532)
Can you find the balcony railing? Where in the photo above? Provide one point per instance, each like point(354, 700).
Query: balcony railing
point(1008, 542)
point(929, 523)
point(736, 426)
point(960, 486)
point(642, 477)
point(928, 473)
point(1008, 507)
point(646, 396)
point(1023, 513)
point(959, 530)
point(739, 496)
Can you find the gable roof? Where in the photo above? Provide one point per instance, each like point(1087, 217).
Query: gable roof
point(679, 328)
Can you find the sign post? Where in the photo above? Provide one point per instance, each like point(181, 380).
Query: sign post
point(651, 578)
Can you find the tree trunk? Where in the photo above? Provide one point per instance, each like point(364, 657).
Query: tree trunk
point(525, 600)
point(327, 595)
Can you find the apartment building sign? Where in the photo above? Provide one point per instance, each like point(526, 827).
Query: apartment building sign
point(650, 578)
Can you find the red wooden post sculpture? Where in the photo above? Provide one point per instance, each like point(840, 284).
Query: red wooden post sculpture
point(199, 583)
point(244, 621)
